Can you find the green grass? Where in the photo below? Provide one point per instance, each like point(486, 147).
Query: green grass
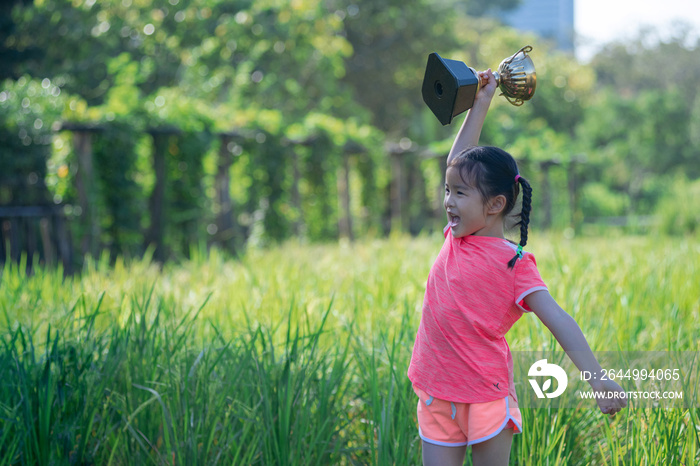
point(298, 355)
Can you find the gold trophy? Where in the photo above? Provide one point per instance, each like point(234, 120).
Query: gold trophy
point(449, 86)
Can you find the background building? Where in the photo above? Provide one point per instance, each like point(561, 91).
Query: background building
point(551, 19)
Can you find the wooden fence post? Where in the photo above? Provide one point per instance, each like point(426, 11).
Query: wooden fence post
point(572, 185)
point(295, 196)
point(397, 192)
point(156, 202)
point(63, 240)
point(546, 189)
point(298, 227)
point(345, 220)
point(225, 233)
point(11, 238)
point(85, 185)
point(19, 226)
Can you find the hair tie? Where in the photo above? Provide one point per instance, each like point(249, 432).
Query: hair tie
point(517, 177)
point(519, 252)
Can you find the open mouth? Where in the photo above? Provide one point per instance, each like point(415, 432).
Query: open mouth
point(454, 220)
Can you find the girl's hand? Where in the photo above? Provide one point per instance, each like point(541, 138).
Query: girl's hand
point(609, 403)
point(468, 135)
point(487, 86)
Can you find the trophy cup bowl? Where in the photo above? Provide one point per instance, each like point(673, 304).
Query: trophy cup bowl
point(450, 86)
point(516, 77)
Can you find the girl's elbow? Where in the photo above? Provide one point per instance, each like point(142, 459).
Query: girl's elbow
point(563, 325)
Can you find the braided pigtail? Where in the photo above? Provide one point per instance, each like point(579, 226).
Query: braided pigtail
point(524, 218)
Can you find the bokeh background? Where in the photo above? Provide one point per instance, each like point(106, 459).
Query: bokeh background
point(133, 126)
point(217, 219)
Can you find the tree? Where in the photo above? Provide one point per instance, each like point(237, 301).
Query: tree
point(651, 63)
point(391, 41)
point(638, 127)
point(12, 54)
point(28, 109)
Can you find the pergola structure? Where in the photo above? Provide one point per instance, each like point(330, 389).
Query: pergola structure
point(43, 230)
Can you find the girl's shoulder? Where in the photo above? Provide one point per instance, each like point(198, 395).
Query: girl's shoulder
point(505, 250)
point(488, 251)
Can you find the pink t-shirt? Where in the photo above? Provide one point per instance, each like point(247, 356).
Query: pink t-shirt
point(471, 300)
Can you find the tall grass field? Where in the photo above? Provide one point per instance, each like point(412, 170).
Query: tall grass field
point(297, 355)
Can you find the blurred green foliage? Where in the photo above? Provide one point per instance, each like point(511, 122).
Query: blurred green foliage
point(28, 110)
point(304, 97)
point(678, 211)
point(114, 157)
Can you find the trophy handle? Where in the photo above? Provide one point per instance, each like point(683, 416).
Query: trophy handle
point(525, 49)
point(517, 102)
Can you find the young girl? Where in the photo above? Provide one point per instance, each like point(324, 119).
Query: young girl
point(480, 284)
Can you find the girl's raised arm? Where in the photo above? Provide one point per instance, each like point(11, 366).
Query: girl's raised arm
point(570, 337)
point(468, 135)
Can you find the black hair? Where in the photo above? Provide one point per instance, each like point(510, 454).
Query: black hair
point(493, 172)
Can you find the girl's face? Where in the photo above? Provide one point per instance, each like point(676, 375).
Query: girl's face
point(466, 210)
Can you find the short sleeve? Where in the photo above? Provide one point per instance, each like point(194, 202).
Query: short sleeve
point(527, 280)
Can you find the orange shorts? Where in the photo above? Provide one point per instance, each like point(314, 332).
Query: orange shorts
point(449, 424)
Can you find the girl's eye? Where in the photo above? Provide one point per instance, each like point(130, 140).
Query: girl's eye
point(460, 193)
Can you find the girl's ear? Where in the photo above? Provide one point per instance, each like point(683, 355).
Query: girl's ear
point(496, 204)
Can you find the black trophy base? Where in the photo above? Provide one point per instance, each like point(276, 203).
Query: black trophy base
point(449, 87)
